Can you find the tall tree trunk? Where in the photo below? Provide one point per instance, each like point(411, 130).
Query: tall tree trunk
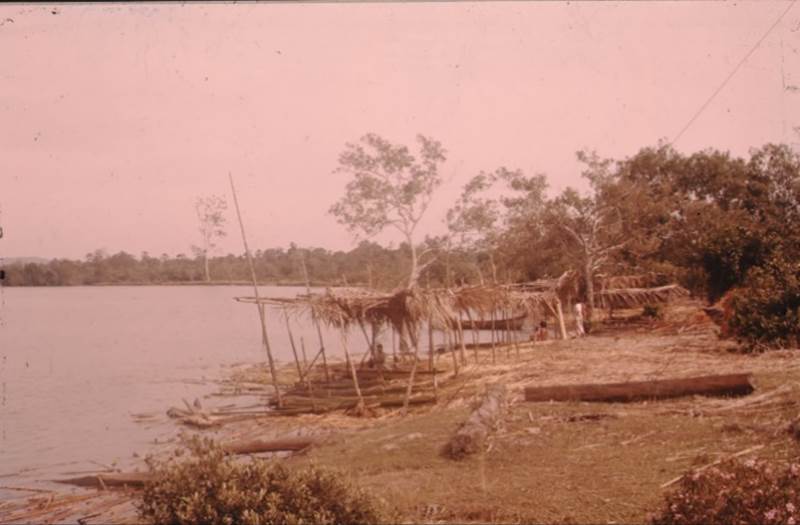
point(205, 261)
point(587, 275)
point(412, 279)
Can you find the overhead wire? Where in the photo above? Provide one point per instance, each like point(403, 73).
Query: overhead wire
point(733, 72)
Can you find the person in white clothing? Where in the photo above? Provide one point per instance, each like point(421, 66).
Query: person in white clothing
point(579, 320)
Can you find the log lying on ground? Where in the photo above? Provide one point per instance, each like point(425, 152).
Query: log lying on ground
point(471, 436)
point(256, 446)
point(715, 385)
point(138, 479)
point(116, 479)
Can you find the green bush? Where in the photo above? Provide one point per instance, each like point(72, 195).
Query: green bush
point(735, 493)
point(211, 488)
point(765, 312)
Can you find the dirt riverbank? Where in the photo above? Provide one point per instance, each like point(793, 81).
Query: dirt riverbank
point(570, 462)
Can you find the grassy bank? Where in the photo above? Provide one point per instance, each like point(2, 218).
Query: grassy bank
point(566, 462)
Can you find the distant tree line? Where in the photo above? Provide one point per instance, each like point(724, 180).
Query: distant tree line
point(368, 263)
point(716, 223)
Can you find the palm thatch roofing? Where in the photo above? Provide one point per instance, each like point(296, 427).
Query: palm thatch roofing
point(644, 280)
point(409, 307)
point(635, 297)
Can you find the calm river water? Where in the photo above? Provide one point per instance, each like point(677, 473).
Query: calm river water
point(77, 362)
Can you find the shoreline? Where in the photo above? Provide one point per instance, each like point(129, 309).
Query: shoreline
point(548, 462)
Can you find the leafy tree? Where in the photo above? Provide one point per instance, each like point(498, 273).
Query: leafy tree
point(210, 215)
point(498, 215)
point(390, 188)
point(591, 233)
point(473, 220)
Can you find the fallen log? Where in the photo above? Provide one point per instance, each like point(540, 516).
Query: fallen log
point(471, 436)
point(138, 479)
point(714, 385)
point(256, 446)
point(117, 479)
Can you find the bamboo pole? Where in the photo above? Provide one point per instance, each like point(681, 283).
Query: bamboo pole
point(452, 347)
point(343, 335)
point(474, 336)
point(374, 329)
point(264, 336)
point(508, 335)
point(371, 350)
point(432, 362)
point(303, 348)
point(291, 342)
point(461, 339)
point(413, 369)
point(394, 345)
point(316, 322)
point(494, 356)
point(431, 349)
point(308, 368)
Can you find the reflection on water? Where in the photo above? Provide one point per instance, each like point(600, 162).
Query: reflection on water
point(77, 363)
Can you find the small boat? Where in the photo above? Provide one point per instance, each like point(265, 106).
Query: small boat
point(511, 323)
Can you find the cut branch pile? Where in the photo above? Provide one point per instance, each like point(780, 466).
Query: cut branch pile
point(378, 388)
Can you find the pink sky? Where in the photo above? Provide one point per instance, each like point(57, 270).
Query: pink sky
point(114, 118)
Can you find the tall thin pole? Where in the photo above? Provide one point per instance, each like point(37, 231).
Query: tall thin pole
point(294, 348)
point(353, 374)
point(461, 339)
point(316, 322)
point(414, 342)
point(264, 337)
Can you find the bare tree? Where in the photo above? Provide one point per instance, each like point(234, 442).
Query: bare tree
point(592, 229)
point(390, 187)
point(210, 214)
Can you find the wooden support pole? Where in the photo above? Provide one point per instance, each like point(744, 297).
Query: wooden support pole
point(432, 361)
point(370, 349)
point(316, 322)
point(452, 347)
point(264, 336)
point(308, 368)
point(461, 340)
point(716, 385)
point(413, 338)
point(394, 345)
point(474, 336)
point(303, 348)
point(431, 348)
point(352, 367)
point(494, 356)
point(291, 342)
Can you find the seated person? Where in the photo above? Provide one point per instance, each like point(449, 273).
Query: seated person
point(541, 332)
point(378, 358)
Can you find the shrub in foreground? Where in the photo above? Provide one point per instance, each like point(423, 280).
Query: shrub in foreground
point(212, 488)
point(735, 493)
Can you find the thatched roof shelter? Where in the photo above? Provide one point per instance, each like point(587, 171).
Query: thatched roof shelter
point(636, 297)
point(410, 307)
